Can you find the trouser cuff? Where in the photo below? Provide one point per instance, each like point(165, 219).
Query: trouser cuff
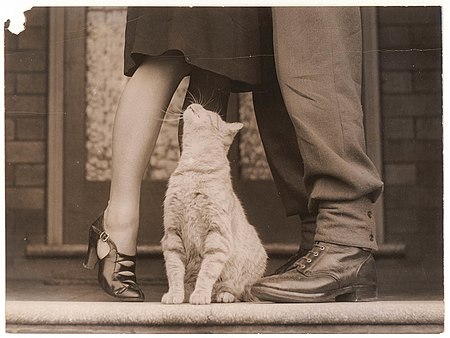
point(349, 223)
point(308, 232)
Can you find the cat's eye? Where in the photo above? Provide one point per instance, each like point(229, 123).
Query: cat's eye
point(215, 124)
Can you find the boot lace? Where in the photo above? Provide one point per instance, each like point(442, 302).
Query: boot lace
point(309, 257)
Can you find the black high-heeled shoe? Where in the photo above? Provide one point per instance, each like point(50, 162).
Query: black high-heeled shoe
point(116, 271)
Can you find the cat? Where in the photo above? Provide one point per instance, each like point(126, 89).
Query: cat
point(211, 251)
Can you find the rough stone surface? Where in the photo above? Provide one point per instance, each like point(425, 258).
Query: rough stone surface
point(103, 313)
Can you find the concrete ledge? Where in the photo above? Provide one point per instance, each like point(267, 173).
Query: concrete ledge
point(273, 249)
point(381, 316)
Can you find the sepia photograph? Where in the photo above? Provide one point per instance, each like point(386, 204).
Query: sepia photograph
point(224, 169)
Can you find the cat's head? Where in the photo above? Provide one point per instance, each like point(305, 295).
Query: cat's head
point(208, 125)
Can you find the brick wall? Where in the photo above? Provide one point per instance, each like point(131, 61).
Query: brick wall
point(410, 63)
point(25, 131)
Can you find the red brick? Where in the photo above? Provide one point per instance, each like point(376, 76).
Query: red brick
point(32, 83)
point(411, 60)
point(428, 36)
point(398, 197)
point(37, 17)
point(30, 175)
point(395, 60)
point(429, 129)
point(396, 82)
point(25, 198)
point(26, 104)
point(29, 222)
point(26, 61)
point(10, 83)
point(9, 174)
point(398, 128)
point(427, 59)
point(30, 129)
point(428, 81)
point(393, 37)
point(9, 129)
point(395, 174)
point(412, 197)
point(412, 151)
point(33, 38)
point(408, 15)
point(11, 41)
point(430, 174)
point(431, 220)
point(401, 221)
point(25, 152)
point(411, 105)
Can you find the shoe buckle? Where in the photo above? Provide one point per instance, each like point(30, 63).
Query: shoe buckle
point(104, 236)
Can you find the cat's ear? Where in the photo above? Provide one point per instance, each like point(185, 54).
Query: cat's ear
point(235, 127)
point(231, 131)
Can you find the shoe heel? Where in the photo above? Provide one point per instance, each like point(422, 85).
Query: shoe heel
point(360, 294)
point(91, 257)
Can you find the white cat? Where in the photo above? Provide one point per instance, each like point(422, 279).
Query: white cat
point(211, 251)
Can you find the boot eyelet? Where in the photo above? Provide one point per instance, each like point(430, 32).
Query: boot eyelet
point(302, 266)
point(322, 247)
point(309, 260)
point(316, 254)
point(308, 273)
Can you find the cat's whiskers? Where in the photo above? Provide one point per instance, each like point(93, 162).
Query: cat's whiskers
point(172, 120)
point(176, 114)
point(203, 102)
point(191, 98)
point(164, 118)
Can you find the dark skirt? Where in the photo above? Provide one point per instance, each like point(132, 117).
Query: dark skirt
point(225, 40)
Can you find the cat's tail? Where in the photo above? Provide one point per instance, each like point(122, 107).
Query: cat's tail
point(247, 295)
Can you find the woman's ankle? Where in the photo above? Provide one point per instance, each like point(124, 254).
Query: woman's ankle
point(121, 219)
point(122, 229)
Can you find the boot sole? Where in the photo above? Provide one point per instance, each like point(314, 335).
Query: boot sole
point(353, 293)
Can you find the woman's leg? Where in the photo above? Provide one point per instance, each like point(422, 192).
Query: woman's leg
point(136, 128)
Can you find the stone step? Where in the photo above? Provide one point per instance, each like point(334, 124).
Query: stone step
point(384, 316)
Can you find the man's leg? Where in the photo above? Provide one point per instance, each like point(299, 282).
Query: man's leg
point(318, 57)
point(280, 145)
point(285, 162)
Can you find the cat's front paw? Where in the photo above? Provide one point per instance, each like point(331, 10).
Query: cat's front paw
point(172, 298)
point(200, 298)
point(225, 297)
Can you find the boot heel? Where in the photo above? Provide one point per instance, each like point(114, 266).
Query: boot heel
point(91, 257)
point(360, 294)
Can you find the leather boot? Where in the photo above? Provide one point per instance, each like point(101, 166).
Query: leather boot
point(329, 272)
point(294, 258)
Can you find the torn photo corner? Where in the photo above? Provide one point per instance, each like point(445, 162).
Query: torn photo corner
point(13, 17)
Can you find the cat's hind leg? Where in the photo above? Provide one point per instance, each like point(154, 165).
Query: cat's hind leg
point(224, 293)
point(225, 297)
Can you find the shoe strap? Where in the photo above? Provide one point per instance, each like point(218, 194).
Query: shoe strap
point(97, 227)
point(126, 273)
